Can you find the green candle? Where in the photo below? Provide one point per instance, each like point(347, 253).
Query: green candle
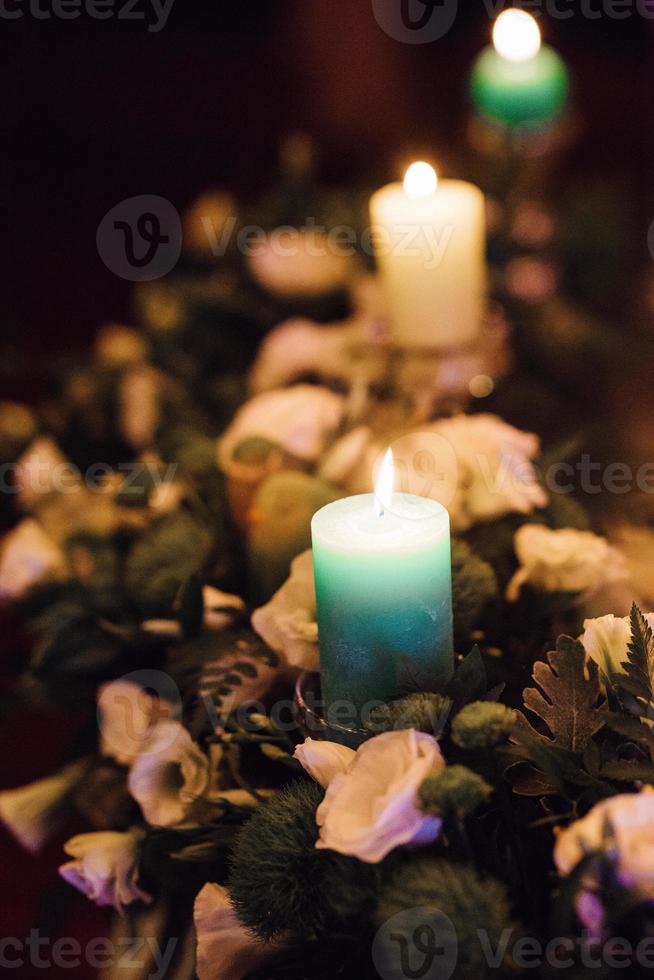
point(517, 82)
point(384, 596)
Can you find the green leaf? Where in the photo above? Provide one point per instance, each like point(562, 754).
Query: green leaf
point(639, 666)
point(567, 697)
point(470, 681)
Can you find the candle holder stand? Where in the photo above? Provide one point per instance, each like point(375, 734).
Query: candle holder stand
point(442, 380)
point(307, 708)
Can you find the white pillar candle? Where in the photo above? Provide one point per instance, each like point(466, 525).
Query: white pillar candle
point(430, 241)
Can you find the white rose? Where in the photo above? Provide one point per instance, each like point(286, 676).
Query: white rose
point(301, 420)
point(629, 817)
point(170, 777)
point(30, 812)
point(27, 557)
point(287, 623)
point(371, 807)
point(606, 639)
point(566, 560)
point(105, 867)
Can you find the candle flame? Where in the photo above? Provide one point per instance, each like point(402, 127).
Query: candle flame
point(420, 180)
point(384, 484)
point(516, 35)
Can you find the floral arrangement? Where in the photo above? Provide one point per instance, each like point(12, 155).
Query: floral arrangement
point(169, 595)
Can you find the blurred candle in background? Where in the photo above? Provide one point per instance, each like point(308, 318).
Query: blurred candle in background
point(518, 81)
point(384, 595)
point(431, 253)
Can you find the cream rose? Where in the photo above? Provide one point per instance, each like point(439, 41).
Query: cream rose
point(606, 639)
point(287, 623)
point(371, 803)
point(300, 419)
point(566, 560)
point(170, 777)
point(105, 867)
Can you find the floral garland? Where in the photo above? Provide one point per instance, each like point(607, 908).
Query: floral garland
point(159, 595)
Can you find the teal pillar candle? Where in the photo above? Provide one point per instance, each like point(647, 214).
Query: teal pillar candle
point(384, 601)
point(520, 93)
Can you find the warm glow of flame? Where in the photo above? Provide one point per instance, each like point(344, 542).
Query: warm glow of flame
point(384, 485)
point(420, 180)
point(516, 35)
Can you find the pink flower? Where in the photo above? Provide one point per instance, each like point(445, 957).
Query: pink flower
point(171, 776)
point(324, 761)
point(625, 825)
point(299, 347)
point(226, 951)
point(105, 867)
point(371, 804)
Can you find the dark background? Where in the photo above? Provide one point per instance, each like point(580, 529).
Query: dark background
point(97, 111)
